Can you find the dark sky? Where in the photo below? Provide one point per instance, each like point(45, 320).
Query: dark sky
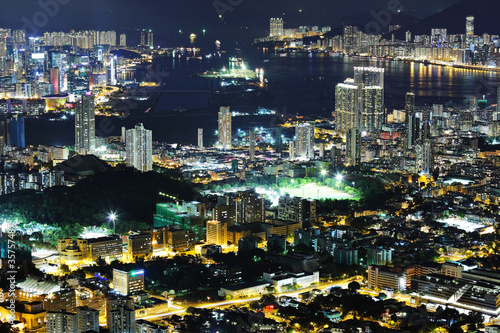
point(245, 20)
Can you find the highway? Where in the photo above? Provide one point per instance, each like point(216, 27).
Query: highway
point(178, 310)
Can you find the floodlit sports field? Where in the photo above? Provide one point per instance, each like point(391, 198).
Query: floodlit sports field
point(315, 191)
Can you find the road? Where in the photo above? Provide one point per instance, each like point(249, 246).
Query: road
point(341, 283)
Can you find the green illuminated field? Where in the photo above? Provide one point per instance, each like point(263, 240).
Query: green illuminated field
point(315, 191)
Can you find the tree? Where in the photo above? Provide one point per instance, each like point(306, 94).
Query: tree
point(353, 286)
point(64, 269)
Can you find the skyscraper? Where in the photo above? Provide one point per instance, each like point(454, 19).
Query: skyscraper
point(251, 139)
point(425, 158)
point(279, 140)
point(113, 70)
point(54, 79)
point(150, 39)
point(359, 102)
point(426, 124)
point(139, 148)
point(200, 138)
point(143, 38)
point(304, 141)
point(346, 106)
point(85, 125)
point(225, 136)
point(123, 40)
point(370, 83)
point(469, 31)
point(409, 103)
point(412, 122)
point(498, 100)
point(17, 134)
point(276, 27)
point(353, 147)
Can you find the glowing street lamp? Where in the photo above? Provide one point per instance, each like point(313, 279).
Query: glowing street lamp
point(112, 218)
point(339, 177)
point(323, 172)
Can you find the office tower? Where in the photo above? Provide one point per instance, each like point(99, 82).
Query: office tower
point(17, 133)
point(279, 140)
point(85, 125)
point(62, 322)
point(150, 39)
point(251, 139)
point(128, 282)
point(276, 27)
point(123, 40)
point(54, 79)
point(469, 31)
point(216, 233)
point(353, 147)
point(346, 106)
point(88, 319)
point(139, 148)
point(225, 137)
point(304, 141)
point(200, 138)
point(143, 38)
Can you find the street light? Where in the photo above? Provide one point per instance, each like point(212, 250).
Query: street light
point(323, 172)
point(112, 218)
point(339, 177)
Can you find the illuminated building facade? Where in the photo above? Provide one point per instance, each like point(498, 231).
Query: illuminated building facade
point(62, 321)
point(469, 31)
point(128, 282)
point(140, 245)
point(304, 141)
point(216, 233)
point(276, 27)
point(225, 134)
point(85, 125)
point(139, 148)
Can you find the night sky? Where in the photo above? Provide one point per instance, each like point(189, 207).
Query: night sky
point(246, 20)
